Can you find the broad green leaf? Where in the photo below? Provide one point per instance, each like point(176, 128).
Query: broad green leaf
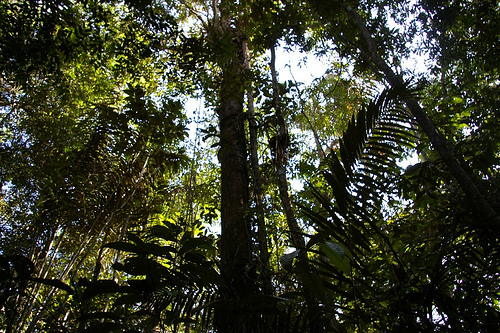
point(312, 281)
point(124, 246)
point(54, 283)
point(204, 274)
point(194, 243)
point(141, 266)
point(163, 232)
point(337, 255)
point(287, 260)
point(157, 250)
point(135, 239)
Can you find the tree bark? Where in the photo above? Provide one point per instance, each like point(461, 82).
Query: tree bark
point(265, 274)
point(236, 241)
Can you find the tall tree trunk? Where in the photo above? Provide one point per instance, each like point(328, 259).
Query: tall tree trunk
point(236, 241)
point(279, 146)
point(265, 274)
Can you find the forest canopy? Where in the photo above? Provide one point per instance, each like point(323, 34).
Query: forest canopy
point(365, 200)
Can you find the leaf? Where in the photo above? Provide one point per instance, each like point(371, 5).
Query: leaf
point(124, 246)
point(139, 266)
point(163, 232)
point(318, 237)
point(103, 327)
point(338, 249)
point(312, 281)
point(130, 299)
point(135, 239)
point(194, 243)
point(219, 304)
point(54, 283)
point(22, 265)
point(157, 250)
point(456, 100)
point(207, 274)
point(100, 287)
point(337, 255)
point(287, 260)
point(101, 315)
point(141, 286)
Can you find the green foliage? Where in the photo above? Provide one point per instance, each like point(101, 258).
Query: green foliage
point(103, 217)
point(400, 274)
point(85, 139)
point(169, 276)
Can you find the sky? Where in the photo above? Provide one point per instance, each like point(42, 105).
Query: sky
point(299, 66)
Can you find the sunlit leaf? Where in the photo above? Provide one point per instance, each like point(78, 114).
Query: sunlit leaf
point(287, 260)
point(337, 256)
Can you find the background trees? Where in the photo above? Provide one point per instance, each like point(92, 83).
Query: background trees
point(106, 199)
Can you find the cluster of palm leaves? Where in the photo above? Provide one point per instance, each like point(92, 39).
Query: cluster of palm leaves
point(396, 248)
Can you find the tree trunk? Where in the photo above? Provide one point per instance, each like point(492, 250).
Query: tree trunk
point(236, 242)
point(279, 145)
point(263, 265)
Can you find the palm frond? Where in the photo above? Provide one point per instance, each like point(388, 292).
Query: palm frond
point(417, 268)
point(365, 164)
point(360, 177)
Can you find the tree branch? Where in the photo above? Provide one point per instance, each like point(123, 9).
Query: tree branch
point(280, 157)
